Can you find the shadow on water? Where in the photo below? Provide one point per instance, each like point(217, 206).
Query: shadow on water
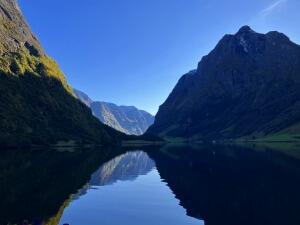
point(34, 185)
point(233, 185)
point(228, 185)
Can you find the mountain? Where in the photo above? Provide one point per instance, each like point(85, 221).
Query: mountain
point(83, 97)
point(248, 86)
point(37, 106)
point(127, 119)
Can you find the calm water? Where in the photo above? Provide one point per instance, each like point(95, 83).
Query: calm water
point(127, 190)
point(178, 185)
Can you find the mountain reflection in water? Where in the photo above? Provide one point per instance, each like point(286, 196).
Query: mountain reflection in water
point(127, 190)
point(228, 185)
point(122, 168)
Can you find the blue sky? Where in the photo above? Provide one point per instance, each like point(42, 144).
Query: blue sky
point(133, 52)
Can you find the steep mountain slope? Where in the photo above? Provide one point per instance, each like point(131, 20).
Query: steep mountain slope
point(127, 119)
point(83, 97)
point(37, 106)
point(249, 85)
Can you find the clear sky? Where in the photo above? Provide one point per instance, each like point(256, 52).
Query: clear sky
point(132, 52)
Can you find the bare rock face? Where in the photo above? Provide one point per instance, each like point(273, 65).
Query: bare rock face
point(14, 31)
point(249, 85)
point(126, 119)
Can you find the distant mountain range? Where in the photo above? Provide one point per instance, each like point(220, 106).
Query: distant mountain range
point(37, 106)
point(247, 87)
point(127, 119)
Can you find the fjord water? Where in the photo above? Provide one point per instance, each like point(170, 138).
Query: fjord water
point(126, 190)
point(210, 185)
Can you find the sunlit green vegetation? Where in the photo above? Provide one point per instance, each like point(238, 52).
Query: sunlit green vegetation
point(38, 106)
point(23, 62)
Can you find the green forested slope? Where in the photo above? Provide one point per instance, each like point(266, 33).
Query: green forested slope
point(37, 106)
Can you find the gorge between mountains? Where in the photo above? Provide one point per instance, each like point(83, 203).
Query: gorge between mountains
point(223, 149)
point(247, 77)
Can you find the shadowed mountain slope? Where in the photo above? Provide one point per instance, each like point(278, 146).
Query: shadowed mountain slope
point(248, 86)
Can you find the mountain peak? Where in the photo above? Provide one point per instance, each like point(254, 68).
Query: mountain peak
point(277, 36)
point(245, 29)
point(244, 78)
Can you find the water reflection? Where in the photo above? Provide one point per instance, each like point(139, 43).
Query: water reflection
point(229, 185)
point(127, 190)
point(125, 167)
point(35, 186)
point(233, 185)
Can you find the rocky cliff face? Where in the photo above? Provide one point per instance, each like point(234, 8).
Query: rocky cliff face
point(127, 119)
point(14, 31)
point(249, 85)
point(37, 106)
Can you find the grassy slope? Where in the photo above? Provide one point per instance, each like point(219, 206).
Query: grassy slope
point(290, 134)
point(38, 106)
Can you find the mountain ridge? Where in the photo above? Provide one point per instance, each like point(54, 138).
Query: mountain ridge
point(127, 119)
point(239, 89)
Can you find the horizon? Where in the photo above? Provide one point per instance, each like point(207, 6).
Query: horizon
point(141, 72)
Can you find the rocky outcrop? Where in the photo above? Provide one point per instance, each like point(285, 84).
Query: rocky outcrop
point(14, 31)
